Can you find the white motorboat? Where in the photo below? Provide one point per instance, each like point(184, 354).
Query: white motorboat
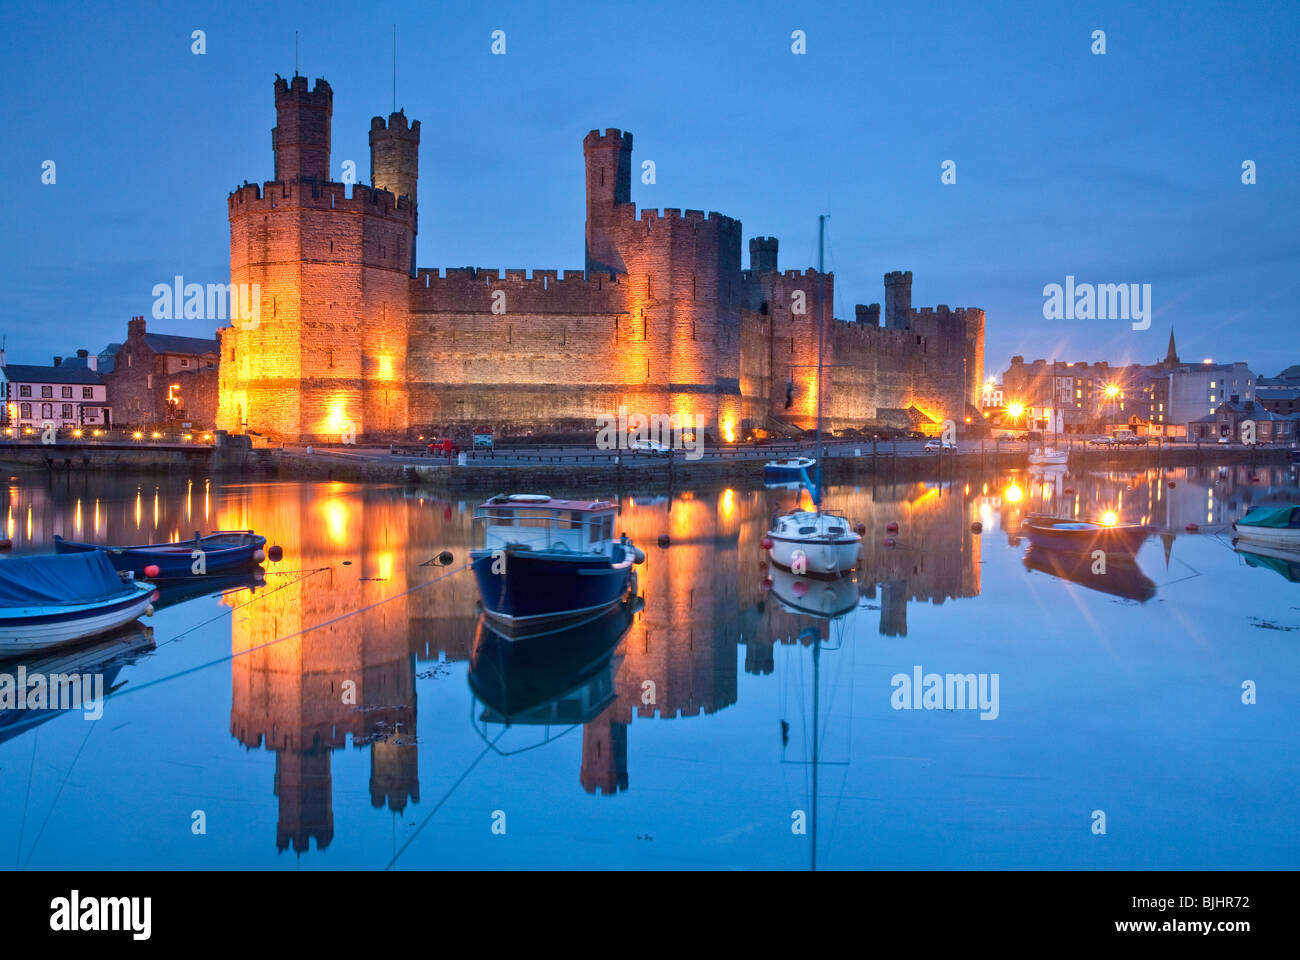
point(52, 600)
point(815, 597)
point(1275, 526)
point(808, 542)
point(790, 470)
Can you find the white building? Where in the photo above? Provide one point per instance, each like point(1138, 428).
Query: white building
point(69, 396)
point(1197, 390)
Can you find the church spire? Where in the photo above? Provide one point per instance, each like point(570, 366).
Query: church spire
point(1171, 358)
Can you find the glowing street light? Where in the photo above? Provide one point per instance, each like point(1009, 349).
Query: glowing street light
point(1112, 391)
point(1015, 410)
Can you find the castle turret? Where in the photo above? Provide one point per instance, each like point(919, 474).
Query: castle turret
point(301, 138)
point(395, 161)
point(898, 300)
point(762, 254)
point(609, 184)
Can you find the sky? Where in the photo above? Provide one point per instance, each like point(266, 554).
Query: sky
point(1122, 167)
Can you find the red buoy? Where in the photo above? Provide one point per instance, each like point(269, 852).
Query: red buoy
point(151, 570)
point(861, 528)
point(891, 527)
point(1172, 484)
point(275, 553)
point(1069, 489)
point(976, 527)
point(890, 541)
point(799, 588)
point(664, 540)
point(6, 544)
point(766, 543)
point(1192, 528)
point(767, 583)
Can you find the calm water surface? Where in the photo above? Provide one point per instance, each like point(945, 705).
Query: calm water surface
point(680, 732)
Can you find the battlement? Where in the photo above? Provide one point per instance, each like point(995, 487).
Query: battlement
point(263, 198)
point(612, 137)
point(472, 290)
point(296, 89)
point(898, 276)
point(677, 215)
point(943, 310)
point(395, 127)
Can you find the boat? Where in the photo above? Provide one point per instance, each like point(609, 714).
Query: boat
point(1049, 456)
point(790, 470)
point(825, 599)
point(559, 677)
point(1120, 577)
point(546, 562)
point(104, 657)
point(224, 551)
point(1272, 526)
point(1084, 535)
point(1282, 561)
point(51, 600)
point(813, 542)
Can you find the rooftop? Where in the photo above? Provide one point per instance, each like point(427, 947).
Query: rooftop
point(29, 373)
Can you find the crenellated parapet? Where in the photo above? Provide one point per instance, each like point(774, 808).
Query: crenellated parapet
point(252, 198)
point(489, 291)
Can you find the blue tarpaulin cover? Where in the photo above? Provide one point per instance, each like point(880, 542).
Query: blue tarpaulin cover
point(59, 578)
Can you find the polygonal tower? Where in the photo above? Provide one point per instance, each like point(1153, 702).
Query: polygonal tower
point(324, 358)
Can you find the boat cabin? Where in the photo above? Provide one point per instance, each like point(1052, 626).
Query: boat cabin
point(544, 524)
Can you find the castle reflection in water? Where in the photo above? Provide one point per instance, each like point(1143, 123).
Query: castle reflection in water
point(327, 651)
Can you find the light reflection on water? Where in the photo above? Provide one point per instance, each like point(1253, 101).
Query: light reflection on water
point(351, 710)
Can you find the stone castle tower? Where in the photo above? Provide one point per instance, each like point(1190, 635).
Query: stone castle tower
point(353, 340)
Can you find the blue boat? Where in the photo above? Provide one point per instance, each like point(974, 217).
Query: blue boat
point(224, 551)
point(52, 600)
point(546, 561)
point(790, 470)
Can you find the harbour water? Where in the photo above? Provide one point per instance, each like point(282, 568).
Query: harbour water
point(350, 711)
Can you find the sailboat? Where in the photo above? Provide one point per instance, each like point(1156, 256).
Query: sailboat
point(1050, 455)
point(814, 541)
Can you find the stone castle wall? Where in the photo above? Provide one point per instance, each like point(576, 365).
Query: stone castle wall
point(354, 339)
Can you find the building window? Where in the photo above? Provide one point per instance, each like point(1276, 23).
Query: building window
point(47, 410)
point(25, 390)
point(67, 393)
point(25, 411)
point(87, 393)
point(67, 411)
point(47, 391)
point(185, 363)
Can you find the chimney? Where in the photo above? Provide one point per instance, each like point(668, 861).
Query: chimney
point(58, 361)
point(83, 354)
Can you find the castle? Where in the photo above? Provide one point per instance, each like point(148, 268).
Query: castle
point(353, 339)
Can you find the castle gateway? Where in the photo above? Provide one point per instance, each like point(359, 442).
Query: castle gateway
point(352, 339)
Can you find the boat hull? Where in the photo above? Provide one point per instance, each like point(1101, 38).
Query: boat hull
point(524, 591)
point(175, 560)
point(815, 557)
point(1280, 538)
point(25, 630)
point(777, 471)
point(1118, 539)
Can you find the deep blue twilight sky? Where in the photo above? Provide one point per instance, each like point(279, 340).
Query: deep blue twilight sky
point(1117, 168)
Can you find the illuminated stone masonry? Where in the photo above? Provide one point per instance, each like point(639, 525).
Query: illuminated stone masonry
point(353, 341)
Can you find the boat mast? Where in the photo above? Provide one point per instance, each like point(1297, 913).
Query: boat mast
point(821, 337)
point(817, 664)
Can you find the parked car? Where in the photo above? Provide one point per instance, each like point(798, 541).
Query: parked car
point(1224, 440)
point(1101, 441)
point(936, 446)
